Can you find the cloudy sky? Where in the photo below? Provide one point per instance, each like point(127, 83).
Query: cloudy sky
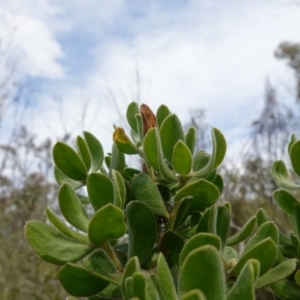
point(82, 58)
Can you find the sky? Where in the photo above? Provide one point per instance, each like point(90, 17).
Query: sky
point(83, 59)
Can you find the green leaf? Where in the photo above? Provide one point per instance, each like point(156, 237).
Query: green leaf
point(100, 190)
point(170, 133)
point(61, 178)
point(83, 151)
point(146, 191)
point(162, 113)
point(154, 155)
point(297, 218)
point(285, 201)
point(139, 285)
point(197, 241)
point(200, 160)
point(119, 189)
point(132, 267)
point(202, 190)
point(106, 224)
point(182, 212)
point(218, 182)
point(193, 295)
point(123, 142)
point(142, 230)
point(170, 245)
point(242, 234)
point(132, 110)
point(139, 123)
point(68, 162)
point(63, 228)
point(143, 287)
point(96, 151)
point(150, 289)
point(281, 176)
point(244, 286)
point(53, 246)
point(218, 153)
point(223, 224)
point(99, 262)
point(81, 282)
point(267, 229)
point(128, 173)
point(229, 253)
point(293, 140)
point(129, 294)
point(262, 217)
point(117, 161)
point(297, 277)
point(286, 289)
point(295, 157)
point(157, 285)
point(207, 277)
point(265, 252)
point(277, 273)
point(150, 148)
point(182, 158)
point(191, 138)
point(165, 278)
point(72, 209)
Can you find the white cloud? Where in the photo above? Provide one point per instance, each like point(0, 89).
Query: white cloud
point(204, 54)
point(32, 42)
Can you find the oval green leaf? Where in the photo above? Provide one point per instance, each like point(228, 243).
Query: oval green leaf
point(286, 289)
point(165, 278)
point(285, 201)
point(119, 189)
point(132, 110)
point(243, 233)
point(265, 252)
point(53, 246)
point(202, 190)
point(208, 276)
point(191, 138)
point(72, 209)
point(194, 295)
point(84, 152)
point(63, 228)
point(182, 158)
point(96, 151)
point(161, 114)
point(170, 133)
point(69, 162)
point(197, 241)
point(100, 190)
point(277, 273)
point(146, 191)
point(61, 178)
point(142, 230)
point(281, 176)
point(244, 287)
point(295, 157)
point(107, 223)
point(81, 282)
point(267, 229)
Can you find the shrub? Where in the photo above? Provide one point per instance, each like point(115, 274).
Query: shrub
point(158, 232)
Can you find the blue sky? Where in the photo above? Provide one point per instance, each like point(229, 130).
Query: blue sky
point(192, 54)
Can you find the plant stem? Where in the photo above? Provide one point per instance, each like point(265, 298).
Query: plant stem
point(109, 251)
point(173, 215)
point(172, 219)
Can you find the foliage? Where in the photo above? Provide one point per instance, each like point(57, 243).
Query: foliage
point(24, 193)
point(159, 232)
